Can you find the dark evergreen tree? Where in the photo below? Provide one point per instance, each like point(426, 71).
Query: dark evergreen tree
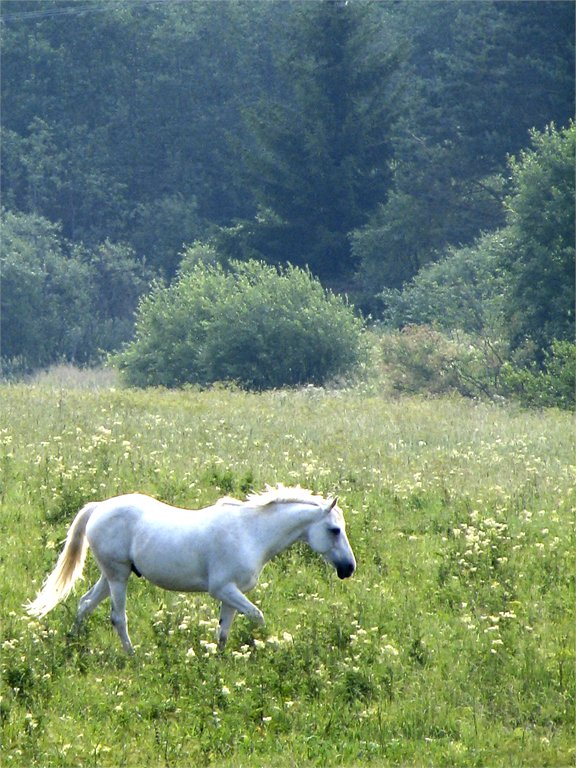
point(320, 160)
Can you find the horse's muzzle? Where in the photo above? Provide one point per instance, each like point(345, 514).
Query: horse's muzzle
point(344, 570)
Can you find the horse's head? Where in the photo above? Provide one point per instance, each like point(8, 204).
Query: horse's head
point(328, 537)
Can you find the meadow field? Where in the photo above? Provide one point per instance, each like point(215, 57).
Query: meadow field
point(452, 645)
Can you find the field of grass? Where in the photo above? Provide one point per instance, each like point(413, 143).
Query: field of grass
point(453, 644)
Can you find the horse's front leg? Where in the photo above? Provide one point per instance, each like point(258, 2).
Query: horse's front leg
point(227, 614)
point(233, 600)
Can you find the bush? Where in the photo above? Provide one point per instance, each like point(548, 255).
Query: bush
point(419, 359)
point(423, 360)
point(553, 385)
point(253, 324)
point(463, 291)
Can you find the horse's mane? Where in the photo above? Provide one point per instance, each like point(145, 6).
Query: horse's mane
point(282, 494)
point(279, 495)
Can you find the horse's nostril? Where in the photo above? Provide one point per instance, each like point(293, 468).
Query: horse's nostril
point(345, 570)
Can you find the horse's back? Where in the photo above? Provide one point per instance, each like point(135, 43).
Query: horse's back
point(131, 515)
point(126, 506)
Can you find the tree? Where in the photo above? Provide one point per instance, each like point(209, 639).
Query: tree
point(462, 291)
point(117, 282)
point(61, 301)
point(516, 283)
point(115, 116)
point(540, 258)
point(320, 160)
point(45, 299)
point(482, 74)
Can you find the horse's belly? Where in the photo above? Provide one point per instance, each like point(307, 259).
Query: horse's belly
point(171, 562)
point(175, 579)
point(179, 584)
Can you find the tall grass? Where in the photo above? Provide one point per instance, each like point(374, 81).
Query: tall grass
point(453, 645)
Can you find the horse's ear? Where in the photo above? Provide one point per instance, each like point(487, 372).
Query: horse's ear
point(331, 504)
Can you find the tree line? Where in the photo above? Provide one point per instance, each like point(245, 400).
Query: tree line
point(362, 140)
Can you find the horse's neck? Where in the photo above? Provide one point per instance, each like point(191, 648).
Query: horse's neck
point(281, 527)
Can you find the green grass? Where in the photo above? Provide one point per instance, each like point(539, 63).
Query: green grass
point(453, 645)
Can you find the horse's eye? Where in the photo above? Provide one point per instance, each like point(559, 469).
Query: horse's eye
point(335, 531)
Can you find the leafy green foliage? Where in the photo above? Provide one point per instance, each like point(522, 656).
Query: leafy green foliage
point(364, 141)
point(554, 384)
point(420, 359)
point(60, 302)
point(464, 290)
point(482, 74)
point(254, 325)
point(112, 129)
point(421, 217)
point(540, 256)
point(45, 295)
point(161, 227)
point(513, 290)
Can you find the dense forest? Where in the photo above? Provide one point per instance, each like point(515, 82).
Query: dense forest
point(369, 142)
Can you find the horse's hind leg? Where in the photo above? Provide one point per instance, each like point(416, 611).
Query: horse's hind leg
point(91, 600)
point(118, 615)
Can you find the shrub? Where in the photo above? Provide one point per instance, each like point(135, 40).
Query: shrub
point(463, 291)
point(253, 324)
point(419, 359)
point(553, 385)
point(422, 359)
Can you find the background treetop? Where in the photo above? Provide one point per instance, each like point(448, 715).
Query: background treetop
point(155, 123)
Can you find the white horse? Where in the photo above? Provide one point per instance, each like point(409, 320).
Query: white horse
point(220, 549)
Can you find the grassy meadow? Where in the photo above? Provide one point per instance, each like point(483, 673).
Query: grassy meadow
point(453, 644)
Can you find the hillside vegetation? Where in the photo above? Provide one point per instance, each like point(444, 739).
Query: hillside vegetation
point(453, 645)
point(417, 158)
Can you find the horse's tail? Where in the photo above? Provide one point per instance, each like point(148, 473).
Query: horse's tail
point(68, 569)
